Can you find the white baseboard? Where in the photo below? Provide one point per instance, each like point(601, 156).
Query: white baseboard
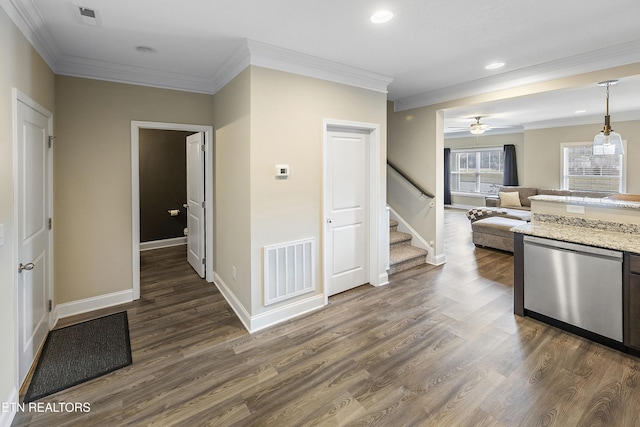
point(94, 303)
point(436, 260)
point(289, 311)
point(383, 279)
point(9, 408)
point(235, 304)
point(272, 317)
point(164, 243)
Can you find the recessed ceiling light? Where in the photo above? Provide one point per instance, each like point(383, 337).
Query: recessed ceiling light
point(494, 66)
point(580, 111)
point(145, 49)
point(381, 16)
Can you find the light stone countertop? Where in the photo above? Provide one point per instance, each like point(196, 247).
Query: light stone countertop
point(607, 239)
point(588, 201)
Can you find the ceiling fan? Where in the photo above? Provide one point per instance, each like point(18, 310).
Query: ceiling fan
point(479, 128)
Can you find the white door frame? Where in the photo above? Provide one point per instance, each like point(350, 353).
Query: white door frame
point(19, 96)
point(135, 193)
point(376, 274)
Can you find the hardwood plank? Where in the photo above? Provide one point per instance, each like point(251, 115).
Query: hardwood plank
point(438, 346)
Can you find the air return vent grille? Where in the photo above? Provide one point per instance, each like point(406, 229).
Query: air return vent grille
point(289, 270)
point(87, 12)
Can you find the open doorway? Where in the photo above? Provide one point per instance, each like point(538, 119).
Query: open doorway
point(163, 188)
point(139, 146)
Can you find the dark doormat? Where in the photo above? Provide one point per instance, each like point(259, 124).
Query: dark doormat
point(79, 353)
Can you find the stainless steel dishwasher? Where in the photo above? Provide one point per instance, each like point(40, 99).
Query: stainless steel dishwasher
point(576, 284)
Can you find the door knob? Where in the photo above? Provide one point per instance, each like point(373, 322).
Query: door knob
point(329, 221)
point(27, 267)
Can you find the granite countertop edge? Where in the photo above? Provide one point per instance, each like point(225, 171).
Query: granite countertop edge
point(581, 235)
point(590, 201)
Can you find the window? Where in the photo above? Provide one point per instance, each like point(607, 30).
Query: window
point(582, 171)
point(477, 171)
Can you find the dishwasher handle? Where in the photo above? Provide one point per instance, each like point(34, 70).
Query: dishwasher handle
point(574, 247)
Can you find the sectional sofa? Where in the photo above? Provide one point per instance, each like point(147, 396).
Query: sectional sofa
point(491, 224)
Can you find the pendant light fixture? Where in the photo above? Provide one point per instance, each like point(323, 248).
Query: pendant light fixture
point(607, 141)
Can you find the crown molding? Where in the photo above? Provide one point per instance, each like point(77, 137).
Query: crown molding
point(26, 17)
point(234, 65)
point(108, 71)
point(600, 59)
point(589, 120)
point(28, 20)
point(276, 58)
point(592, 119)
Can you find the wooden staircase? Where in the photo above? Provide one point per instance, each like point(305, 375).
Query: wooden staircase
point(403, 256)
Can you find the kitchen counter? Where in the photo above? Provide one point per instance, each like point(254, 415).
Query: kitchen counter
point(604, 202)
point(582, 269)
point(603, 234)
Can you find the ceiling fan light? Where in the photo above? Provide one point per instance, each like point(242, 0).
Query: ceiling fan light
point(476, 130)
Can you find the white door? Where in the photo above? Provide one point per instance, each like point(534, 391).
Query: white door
point(195, 202)
point(346, 182)
point(33, 234)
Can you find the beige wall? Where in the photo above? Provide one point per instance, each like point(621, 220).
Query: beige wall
point(542, 152)
point(21, 67)
point(412, 147)
point(232, 121)
point(92, 177)
point(286, 128)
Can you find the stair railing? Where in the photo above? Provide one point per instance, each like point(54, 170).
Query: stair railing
point(411, 181)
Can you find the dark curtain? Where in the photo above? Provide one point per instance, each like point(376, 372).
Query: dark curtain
point(447, 176)
point(510, 176)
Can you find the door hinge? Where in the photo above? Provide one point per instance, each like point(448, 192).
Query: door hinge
point(50, 305)
point(204, 204)
point(51, 138)
point(203, 147)
point(203, 261)
point(50, 223)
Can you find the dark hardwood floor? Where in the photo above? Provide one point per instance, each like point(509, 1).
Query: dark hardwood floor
point(438, 346)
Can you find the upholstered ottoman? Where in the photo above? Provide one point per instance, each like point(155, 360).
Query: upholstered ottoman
point(494, 232)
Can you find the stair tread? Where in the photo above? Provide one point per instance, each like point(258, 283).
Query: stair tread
point(393, 223)
point(404, 253)
point(398, 236)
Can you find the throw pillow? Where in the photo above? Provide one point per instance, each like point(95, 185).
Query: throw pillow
point(510, 199)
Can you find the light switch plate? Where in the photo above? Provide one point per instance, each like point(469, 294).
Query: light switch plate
point(1, 234)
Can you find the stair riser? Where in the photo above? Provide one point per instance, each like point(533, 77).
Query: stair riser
point(401, 258)
point(400, 244)
point(406, 265)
